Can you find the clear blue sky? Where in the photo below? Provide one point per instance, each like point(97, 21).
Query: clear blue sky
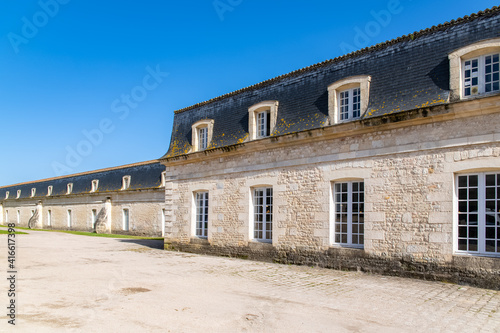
point(69, 68)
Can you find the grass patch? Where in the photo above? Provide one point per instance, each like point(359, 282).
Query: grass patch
point(85, 233)
point(17, 232)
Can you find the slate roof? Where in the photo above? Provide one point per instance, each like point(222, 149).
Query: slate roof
point(145, 175)
point(407, 73)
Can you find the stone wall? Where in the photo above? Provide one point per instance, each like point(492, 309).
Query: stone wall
point(408, 168)
point(145, 208)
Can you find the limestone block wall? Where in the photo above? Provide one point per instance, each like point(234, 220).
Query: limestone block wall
point(408, 170)
point(145, 209)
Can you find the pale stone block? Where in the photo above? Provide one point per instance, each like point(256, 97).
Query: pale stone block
point(374, 234)
point(375, 216)
point(406, 236)
point(440, 217)
point(407, 218)
point(438, 237)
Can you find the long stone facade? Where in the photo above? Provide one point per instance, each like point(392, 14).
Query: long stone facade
point(97, 201)
point(409, 187)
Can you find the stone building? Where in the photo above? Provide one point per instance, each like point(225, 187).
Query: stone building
point(384, 160)
point(128, 200)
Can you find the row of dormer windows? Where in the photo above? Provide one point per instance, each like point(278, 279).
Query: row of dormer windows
point(94, 186)
point(474, 71)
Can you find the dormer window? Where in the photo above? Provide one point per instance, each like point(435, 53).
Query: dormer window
point(348, 98)
point(481, 75)
point(49, 190)
point(69, 188)
point(262, 119)
point(475, 70)
point(33, 192)
point(350, 104)
point(18, 194)
point(125, 182)
point(7, 194)
point(202, 134)
point(163, 178)
point(95, 185)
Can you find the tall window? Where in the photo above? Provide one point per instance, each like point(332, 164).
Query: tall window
point(350, 104)
point(202, 138)
point(69, 188)
point(33, 191)
point(49, 190)
point(263, 213)
point(95, 185)
point(7, 194)
point(126, 182)
point(481, 75)
point(263, 124)
point(49, 217)
point(202, 214)
point(94, 217)
point(349, 213)
point(70, 218)
point(18, 216)
point(7, 216)
point(18, 194)
point(479, 213)
point(126, 220)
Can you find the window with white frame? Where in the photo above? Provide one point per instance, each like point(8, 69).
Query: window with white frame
point(263, 214)
point(18, 216)
point(95, 185)
point(481, 75)
point(49, 217)
point(126, 182)
point(349, 213)
point(69, 188)
point(70, 218)
point(33, 192)
point(348, 98)
point(478, 214)
point(49, 190)
point(262, 119)
point(18, 194)
point(6, 216)
point(263, 123)
point(93, 217)
point(202, 132)
point(7, 194)
point(163, 178)
point(350, 104)
point(126, 219)
point(201, 201)
point(474, 69)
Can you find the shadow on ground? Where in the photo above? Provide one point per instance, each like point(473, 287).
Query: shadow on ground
point(151, 243)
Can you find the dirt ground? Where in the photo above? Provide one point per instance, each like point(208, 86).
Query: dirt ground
point(69, 283)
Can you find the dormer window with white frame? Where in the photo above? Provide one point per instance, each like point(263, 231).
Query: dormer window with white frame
point(95, 185)
point(262, 119)
point(69, 188)
point(202, 134)
point(126, 182)
point(18, 194)
point(7, 194)
point(163, 179)
point(49, 190)
point(475, 70)
point(348, 98)
point(33, 192)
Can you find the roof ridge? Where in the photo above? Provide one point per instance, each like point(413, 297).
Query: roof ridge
point(83, 173)
point(411, 36)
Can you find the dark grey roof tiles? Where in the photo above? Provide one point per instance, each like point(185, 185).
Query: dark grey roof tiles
point(406, 73)
point(143, 176)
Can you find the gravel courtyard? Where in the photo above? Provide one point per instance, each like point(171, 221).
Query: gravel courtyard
point(69, 283)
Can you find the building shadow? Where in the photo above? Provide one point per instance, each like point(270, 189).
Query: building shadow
point(151, 243)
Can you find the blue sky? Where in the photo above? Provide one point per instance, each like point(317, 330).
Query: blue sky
point(93, 84)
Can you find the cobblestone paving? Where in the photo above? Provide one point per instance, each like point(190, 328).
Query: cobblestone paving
point(74, 283)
